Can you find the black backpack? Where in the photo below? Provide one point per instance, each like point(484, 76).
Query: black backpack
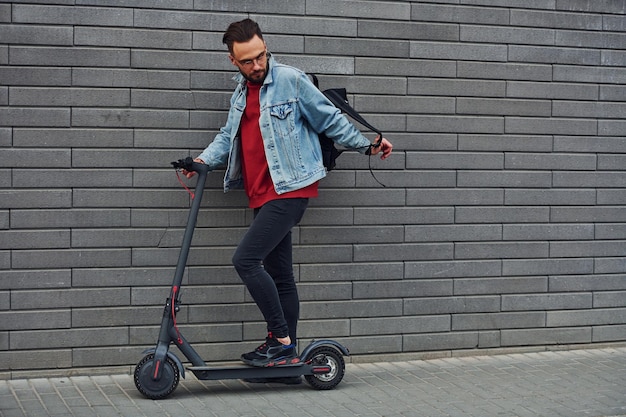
point(339, 97)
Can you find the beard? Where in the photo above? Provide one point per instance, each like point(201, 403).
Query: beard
point(256, 76)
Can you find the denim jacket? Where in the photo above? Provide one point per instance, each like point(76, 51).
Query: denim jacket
point(293, 111)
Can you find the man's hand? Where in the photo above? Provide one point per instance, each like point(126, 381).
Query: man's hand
point(385, 147)
point(190, 174)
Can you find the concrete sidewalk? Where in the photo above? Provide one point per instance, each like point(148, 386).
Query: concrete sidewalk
point(562, 383)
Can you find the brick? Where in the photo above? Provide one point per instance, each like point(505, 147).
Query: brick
point(394, 104)
point(554, 55)
point(589, 144)
point(561, 336)
point(87, 16)
point(500, 285)
point(581, 249)
point(39, 199)
point(587, 283)
point(459, 14)
point(507, 35)
point(92, 357)
point(136, 78)
point(116, 316)
point(500, 250)
point(396, 325)
point(404, 288)
point(550, 19)
point(452, 305)
point(611, 127)
point(460, 51)
point(511, 179)
point(115, 277)
point(70, 258)
point(397, 179)
point(355, 309)
point(552, 301)
point(132, 38)
point(6, 137)
point(438, 341)
point(372, 344)
point(596, 179)
point(502, 215)
point(555, 91)
point(67, 338)
point(505, 71)
point(612, 162)
point(328, 291)
point(456, 88)
point(36, 35)
point(456, 233)
point(184, 20)
point(74, 56)
point(406, 252)
point(213, 294)
point(503, 107)
point(585, 317)
point(296, 7)
point(587, 214)
point(36, 76)
point(35, 359)
point(505, 143)
point(461, 124)
point(35, 279)
point(394, 11)
point(23, 116)
point(351, 234)
point(454, 197)
point(482, 321)
point(455, 160)
point(72, 138)
point(361, 47)
point(453, 269)
point(322, 272)
point(18, 239)
point(549, 232)
point(610, 231)
point(608, 333)
point(28, 96)
point(528, 125)
point(91, 117)
point(589, 74)
point(609, 299)
point(589, 39)
point(610, 265)
point(402, 67)
point(52, 178)
point(551, 197)
point(601, 110)
point(78, 218)
point(406, 30)
point(34, 320)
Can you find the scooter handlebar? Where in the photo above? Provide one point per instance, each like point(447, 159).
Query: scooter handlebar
point(188, 164)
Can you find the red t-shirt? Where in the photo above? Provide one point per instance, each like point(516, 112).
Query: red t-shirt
point(256, 174)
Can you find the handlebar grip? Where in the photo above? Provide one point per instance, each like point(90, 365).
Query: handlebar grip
point(188, 164)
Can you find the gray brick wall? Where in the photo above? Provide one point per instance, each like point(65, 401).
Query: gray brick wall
point(503, 224)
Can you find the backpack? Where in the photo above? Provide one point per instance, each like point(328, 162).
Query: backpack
point(339, 97)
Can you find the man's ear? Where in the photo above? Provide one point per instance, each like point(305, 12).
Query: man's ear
point(232, 60)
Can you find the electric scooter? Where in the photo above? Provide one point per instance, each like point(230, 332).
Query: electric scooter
point(158, 373)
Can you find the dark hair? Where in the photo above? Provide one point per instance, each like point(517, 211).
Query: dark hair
point(241, 31)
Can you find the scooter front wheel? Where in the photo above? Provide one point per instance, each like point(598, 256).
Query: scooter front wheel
point(156, 389)
point(332, 359)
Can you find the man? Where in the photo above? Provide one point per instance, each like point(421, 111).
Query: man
point(270, 147)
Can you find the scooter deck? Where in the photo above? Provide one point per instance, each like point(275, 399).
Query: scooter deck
point(242, 372)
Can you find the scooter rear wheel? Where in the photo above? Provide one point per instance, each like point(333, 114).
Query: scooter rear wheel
point(331, 357)
point(156, 389)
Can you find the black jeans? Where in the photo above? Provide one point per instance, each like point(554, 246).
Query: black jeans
point(264, 262)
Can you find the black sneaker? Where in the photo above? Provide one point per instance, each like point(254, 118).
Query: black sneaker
point(271, 353)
